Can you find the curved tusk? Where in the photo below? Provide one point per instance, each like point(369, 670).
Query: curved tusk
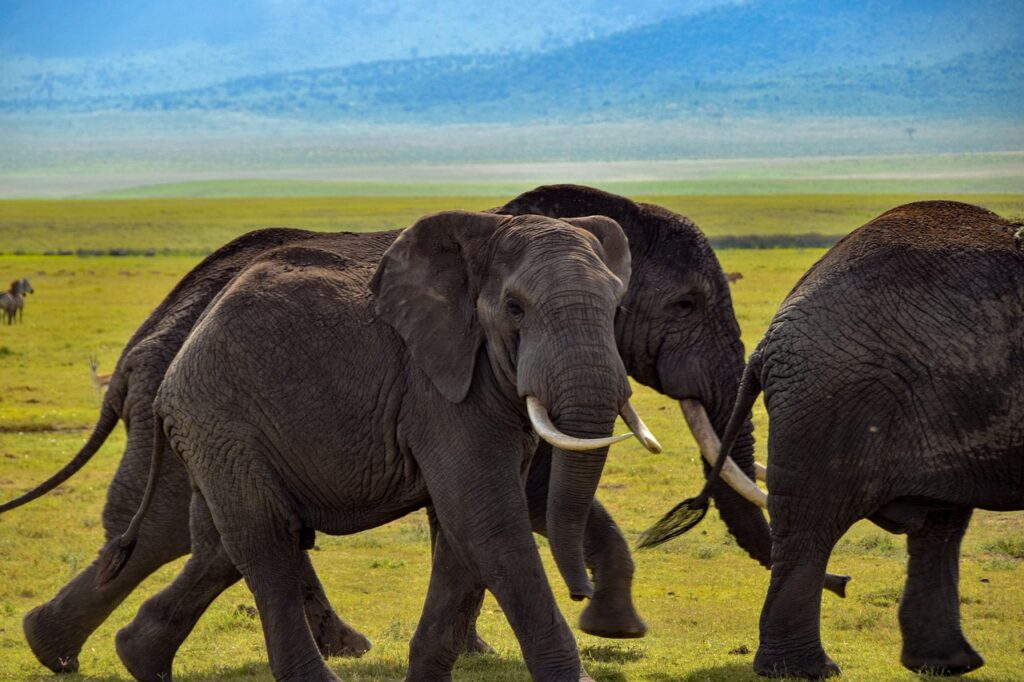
point(697, 419)
point(760, 472)
point(643, 434)
point(546, 430)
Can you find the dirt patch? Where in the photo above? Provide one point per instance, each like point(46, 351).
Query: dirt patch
point(39, 428)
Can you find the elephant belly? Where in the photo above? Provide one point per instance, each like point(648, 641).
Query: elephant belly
point(350, 490)
point(349, 521)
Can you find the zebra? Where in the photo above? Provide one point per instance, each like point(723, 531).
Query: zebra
point(13, 300)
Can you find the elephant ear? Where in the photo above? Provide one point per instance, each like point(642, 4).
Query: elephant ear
point(614, 249)
point(426, 289)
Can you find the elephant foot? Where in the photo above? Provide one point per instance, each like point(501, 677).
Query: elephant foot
point(144, 653)
point(52, 645)
point(476, 645)
point(613, 616)
point(956, 660)
point(335, 637)
point(814, 665)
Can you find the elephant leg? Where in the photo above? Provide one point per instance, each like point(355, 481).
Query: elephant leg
point(334, 637)
point(261, 533)
point(147, 646)
point(791, 618)
point(610, 612)
point(475, 644)
point(449, 615)
point(451, 607)
point(491, 546)
point(57, 629)
point(930, 607)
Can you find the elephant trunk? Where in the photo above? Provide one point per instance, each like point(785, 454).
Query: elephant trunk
point(584, 399)
point(577, 463)
point(574, 479)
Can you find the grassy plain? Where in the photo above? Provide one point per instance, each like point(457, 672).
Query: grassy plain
point(199, 225)
point(700, 595)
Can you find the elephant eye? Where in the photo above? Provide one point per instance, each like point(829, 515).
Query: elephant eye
point(514, 308)
point(685, 305)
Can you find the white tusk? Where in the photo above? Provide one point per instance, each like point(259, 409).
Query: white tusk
point(697, 419)
point(643, 434)
point(760, 472)
point(546, 430)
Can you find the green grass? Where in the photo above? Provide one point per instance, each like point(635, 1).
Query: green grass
point(318, 167)
point(700, 594)
point(196, 226)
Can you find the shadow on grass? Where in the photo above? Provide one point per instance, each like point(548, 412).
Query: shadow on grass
point(744, 672)
point(487, 667)
point(732, 672)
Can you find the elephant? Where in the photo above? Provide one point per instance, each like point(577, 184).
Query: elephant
point(893, 377)
point(676, 332)
point(419, 380)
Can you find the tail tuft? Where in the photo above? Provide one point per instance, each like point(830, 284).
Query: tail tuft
point(113, 559)
point(679, 520)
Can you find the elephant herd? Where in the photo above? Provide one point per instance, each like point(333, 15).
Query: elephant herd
point(475, 364)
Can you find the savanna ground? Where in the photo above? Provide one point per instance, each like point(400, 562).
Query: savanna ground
point(700, 595)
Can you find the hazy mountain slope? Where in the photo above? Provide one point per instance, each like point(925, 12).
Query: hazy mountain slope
point(920, 58)
point(54, 49)
point(894, 58)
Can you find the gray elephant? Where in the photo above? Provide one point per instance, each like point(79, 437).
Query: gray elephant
point(893, 377)
point(391, 387)
point(676, 332)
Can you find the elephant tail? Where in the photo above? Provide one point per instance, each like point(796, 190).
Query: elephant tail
point(118, 551)
point(104, 426)
point(691, 511)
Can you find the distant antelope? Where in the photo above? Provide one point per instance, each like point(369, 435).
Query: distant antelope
point(733, 276)
point(100, 381)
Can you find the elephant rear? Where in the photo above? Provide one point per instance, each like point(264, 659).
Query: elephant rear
point(906, 342)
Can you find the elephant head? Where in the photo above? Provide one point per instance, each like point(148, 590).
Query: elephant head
point(675, 329)
point(526, 304)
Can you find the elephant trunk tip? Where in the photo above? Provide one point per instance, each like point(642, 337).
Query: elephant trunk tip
point(837, 584)
point(683, 517)
point(587, 592)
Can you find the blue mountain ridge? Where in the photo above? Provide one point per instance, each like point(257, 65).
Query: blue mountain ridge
point(905, 58)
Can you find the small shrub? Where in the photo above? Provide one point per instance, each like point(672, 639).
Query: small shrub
point(1000, 564)
point(398, 631)
point(885, 598)
point(707, 552)
point(861, 621)
point(72, 561)
point(878, 545)
point(387, 563)
point(612, 653)
point(1008, 547)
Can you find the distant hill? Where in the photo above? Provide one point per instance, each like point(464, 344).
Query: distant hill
point(64, 49)
point(935, 58)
